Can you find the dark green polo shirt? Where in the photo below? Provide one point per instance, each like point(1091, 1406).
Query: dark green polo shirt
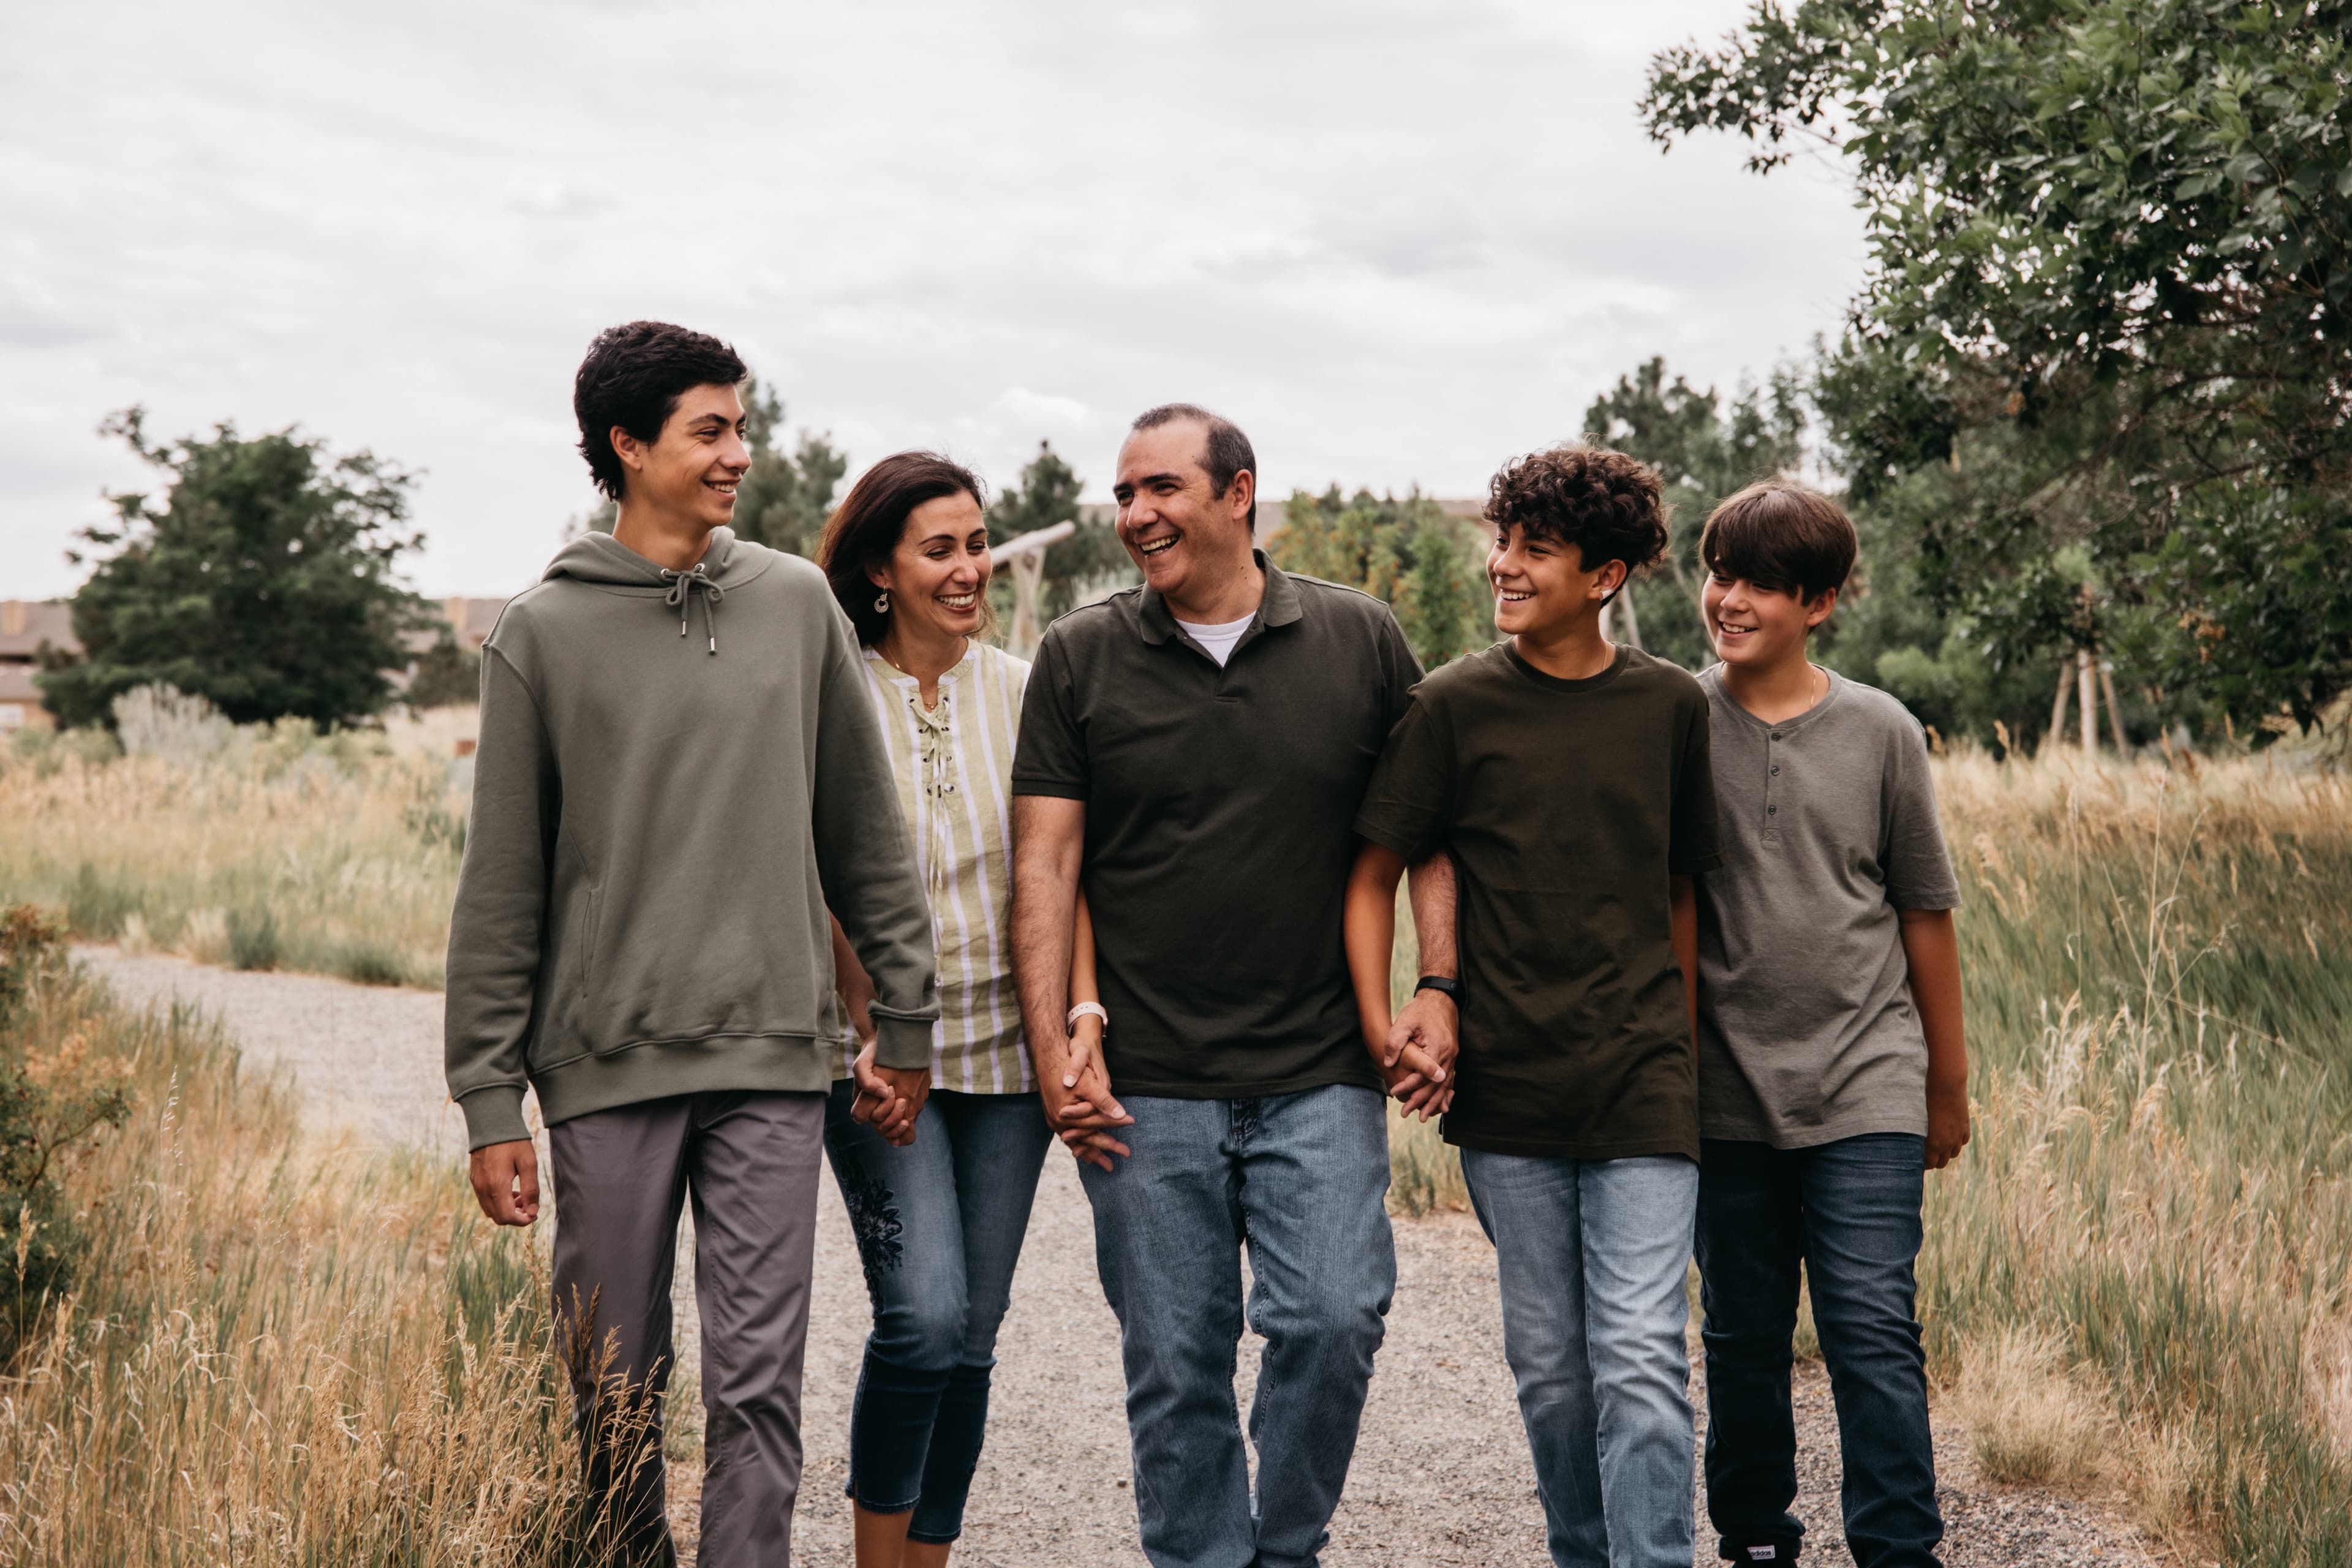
point(1220, 813)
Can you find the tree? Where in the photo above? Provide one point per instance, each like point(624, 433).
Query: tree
point(1077, 568)
point(262, 581)
point(1703, 455)
point(447, 674)
point(1428, 566)
point(2111, 265)
point(783, 499)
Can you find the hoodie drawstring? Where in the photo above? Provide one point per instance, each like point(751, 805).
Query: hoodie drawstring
point(681, 587)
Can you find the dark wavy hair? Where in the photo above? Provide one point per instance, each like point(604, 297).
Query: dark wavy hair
point(633, 378)
point(1608, 505)
point(1781, 535)
point(1228, 452)
point(871, 519)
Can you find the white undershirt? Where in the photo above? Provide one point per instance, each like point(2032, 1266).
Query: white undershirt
point(1219, 639)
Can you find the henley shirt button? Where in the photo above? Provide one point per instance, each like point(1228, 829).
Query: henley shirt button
point(1776, 768)
point(1776, 734)
point(1771, 811)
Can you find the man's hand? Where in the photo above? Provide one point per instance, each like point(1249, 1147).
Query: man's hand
point(1076, 1088)
point(506, 1181)
point(1418, 1061)
point(888, 1098)
point(1947, 1122)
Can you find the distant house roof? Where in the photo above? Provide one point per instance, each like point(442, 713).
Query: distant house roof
point(473, 619)
point(26, 624)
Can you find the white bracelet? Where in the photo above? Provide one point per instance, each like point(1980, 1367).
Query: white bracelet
point(1088, 1010)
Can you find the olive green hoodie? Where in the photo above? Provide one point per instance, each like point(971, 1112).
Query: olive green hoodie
point(679, 773)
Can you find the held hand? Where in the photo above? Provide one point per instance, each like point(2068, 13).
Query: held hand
point(506, 1181)
point(1428, 1021)
point(1420, 1085)
point(888, 1098)
point(1093, 1146)
point(1085, 1050)
point(1947, 1124)
point(1079, 1096)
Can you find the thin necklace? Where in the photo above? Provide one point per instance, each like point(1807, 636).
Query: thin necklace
point(910, 675)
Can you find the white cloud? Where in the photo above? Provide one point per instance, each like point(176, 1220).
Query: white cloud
point(1398, 242)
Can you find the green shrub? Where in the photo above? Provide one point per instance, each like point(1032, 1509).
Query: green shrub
point(49, 1101)
point(369, 965)
point(253, 940)
point(96, 905)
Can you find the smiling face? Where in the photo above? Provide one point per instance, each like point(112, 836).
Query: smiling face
point(692, 468)
point(1542, 587)
point(1757, 629)
point(1182, 535)
point(937, 575)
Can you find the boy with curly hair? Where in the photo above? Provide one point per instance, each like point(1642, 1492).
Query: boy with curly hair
point(1568, 778)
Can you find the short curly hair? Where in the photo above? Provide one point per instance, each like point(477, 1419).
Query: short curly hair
point(1609, 506)
point(633, 378)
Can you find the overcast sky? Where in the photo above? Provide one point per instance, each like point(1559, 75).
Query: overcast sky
point(1397, 242)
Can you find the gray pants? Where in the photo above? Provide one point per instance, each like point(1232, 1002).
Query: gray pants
point(750, 1163)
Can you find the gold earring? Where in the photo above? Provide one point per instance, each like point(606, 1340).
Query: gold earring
point(882, 603)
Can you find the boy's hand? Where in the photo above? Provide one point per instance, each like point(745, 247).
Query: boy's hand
point(506, 1181)
point(888, 1098)
point(1947, 1123)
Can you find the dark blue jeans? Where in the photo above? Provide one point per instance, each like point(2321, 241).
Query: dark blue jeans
point(1848, 1212)
point(939, 1224)
point(1301, 1180)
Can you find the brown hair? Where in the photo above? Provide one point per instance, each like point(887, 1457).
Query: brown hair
point(1227, 454)
point(1781, 535)
point(1608, 505)
point(872, 517)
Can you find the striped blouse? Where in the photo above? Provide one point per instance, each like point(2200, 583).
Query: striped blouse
point(954, 768)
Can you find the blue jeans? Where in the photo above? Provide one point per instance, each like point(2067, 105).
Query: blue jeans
point(1849, 1212)
point(939, 1224)
point(1302, 1180)
point(1593, 1255)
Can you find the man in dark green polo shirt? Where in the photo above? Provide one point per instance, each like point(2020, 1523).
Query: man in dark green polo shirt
point(1194, 751)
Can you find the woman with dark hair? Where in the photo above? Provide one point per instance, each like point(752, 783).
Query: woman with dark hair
point(938, 1169)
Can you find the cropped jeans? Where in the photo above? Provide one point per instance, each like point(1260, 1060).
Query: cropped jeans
point(1301, 1180)
point(1847, 1211)
point(939, 1224)
point(1593, 1255)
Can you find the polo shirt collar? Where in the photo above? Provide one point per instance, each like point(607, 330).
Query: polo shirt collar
point(1278, 607)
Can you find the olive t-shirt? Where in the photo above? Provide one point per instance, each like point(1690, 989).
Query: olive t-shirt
point(1806, 1031)
point(1219, 801)
point(1567, 807)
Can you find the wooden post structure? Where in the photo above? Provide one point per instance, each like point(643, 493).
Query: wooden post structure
point(2087, 695)
point(2115, 709)
point(2058, 710)
point(1025, 553)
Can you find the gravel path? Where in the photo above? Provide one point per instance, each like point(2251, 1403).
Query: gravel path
point(1441, 1474)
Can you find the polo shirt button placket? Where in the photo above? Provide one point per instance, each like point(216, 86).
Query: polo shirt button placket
point(1772, 804)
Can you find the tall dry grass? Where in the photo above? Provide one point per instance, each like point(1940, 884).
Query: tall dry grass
point(276, 848)
point(2159, 1195)
point(274, 1353)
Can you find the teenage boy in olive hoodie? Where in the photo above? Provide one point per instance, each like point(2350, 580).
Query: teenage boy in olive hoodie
point(680, 774)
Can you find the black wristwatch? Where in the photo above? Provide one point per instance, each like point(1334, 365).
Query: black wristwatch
point(1450, 989)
